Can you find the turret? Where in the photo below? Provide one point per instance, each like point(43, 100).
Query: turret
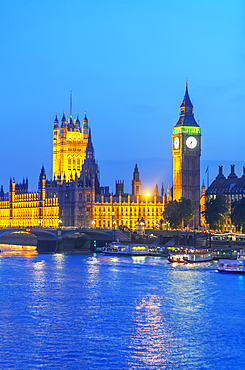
point(119, 187)
point(90, 148)
point(42, 184)
point(162, 191)
point(78, 128)
point(63, 121)
point(136, 183)
point(1, 193)
point(56, 128)
point(85, 127)
point(71, 124)
point(155, 192)
point(63, 127)
point(169, 197)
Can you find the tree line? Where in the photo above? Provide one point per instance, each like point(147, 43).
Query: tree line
point(217, 211)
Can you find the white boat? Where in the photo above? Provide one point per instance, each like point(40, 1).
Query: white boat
point(190, 255)
point(235, 266)
point(127, 249)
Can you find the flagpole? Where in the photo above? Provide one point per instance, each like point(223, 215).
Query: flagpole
point(207, 172)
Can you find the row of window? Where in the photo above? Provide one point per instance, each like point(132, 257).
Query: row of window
point(129, 224)
point(130, 209)
point(75, 164)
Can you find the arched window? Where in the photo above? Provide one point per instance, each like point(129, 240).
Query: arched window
point(74, 164)
point(69, 163)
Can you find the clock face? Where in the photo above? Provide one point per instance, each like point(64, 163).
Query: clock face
point(191, 142)
point(176, 142)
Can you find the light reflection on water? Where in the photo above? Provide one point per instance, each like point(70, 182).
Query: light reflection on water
point(21, 250)
point(82, 312)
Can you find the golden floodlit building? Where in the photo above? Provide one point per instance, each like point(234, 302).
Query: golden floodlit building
point(21, 208)
point(120, 209)
point(74, 197)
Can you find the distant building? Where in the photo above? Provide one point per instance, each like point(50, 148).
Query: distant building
point(124, 209)
point(233, 187)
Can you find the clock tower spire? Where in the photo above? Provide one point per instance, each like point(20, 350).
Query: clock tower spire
point(186, 151)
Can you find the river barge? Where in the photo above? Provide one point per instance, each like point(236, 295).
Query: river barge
point(235, 266)
point(190, 255)
point(116, 248)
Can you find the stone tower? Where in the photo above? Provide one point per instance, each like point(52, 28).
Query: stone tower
point(69, 147)
point(136, 183)
point(186, 151)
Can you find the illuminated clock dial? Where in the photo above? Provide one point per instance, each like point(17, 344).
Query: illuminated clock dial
point(191, 142)
point(176, 142)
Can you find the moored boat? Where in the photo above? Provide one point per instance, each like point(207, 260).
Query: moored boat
point(126, 249)
point(190, 255)
point(235, 266)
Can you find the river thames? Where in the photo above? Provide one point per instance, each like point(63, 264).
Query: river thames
point(66, 311)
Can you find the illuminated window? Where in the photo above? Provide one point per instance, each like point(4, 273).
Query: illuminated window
point(69, 163)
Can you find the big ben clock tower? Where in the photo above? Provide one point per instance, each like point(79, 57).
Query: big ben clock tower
point(186, 151)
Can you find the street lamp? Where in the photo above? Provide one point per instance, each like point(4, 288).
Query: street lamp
point(40, 223)
point(114, 224)
point(60, 223)
point(93, 223)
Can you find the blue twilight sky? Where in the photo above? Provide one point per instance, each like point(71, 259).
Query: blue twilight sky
point(127, 63)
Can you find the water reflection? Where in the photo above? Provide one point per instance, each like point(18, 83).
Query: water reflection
point(240, 282)
point(138, 259)
point(15, 250)
point(59, 260)
point(39, 272)
point(93, 269)
point(151, 341)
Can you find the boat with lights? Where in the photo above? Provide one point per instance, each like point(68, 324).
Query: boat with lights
point(117, 248)
point(235, 266)
point(190, 255)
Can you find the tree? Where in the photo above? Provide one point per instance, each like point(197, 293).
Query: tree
point(216, 211)
point(186, 209)
point(178, 211)
point(161, 223)
point(238, 214)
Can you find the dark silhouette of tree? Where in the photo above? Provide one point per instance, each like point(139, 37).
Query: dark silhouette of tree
point(238, 214)
point(216, 211)
point(177, 212)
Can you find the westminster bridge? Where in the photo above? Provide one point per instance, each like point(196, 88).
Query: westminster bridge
point(59, 239)
point(88, 239)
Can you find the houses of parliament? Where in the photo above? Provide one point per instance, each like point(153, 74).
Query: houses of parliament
point(75, 197)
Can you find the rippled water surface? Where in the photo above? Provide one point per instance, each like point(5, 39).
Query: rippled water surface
point(84, 312)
